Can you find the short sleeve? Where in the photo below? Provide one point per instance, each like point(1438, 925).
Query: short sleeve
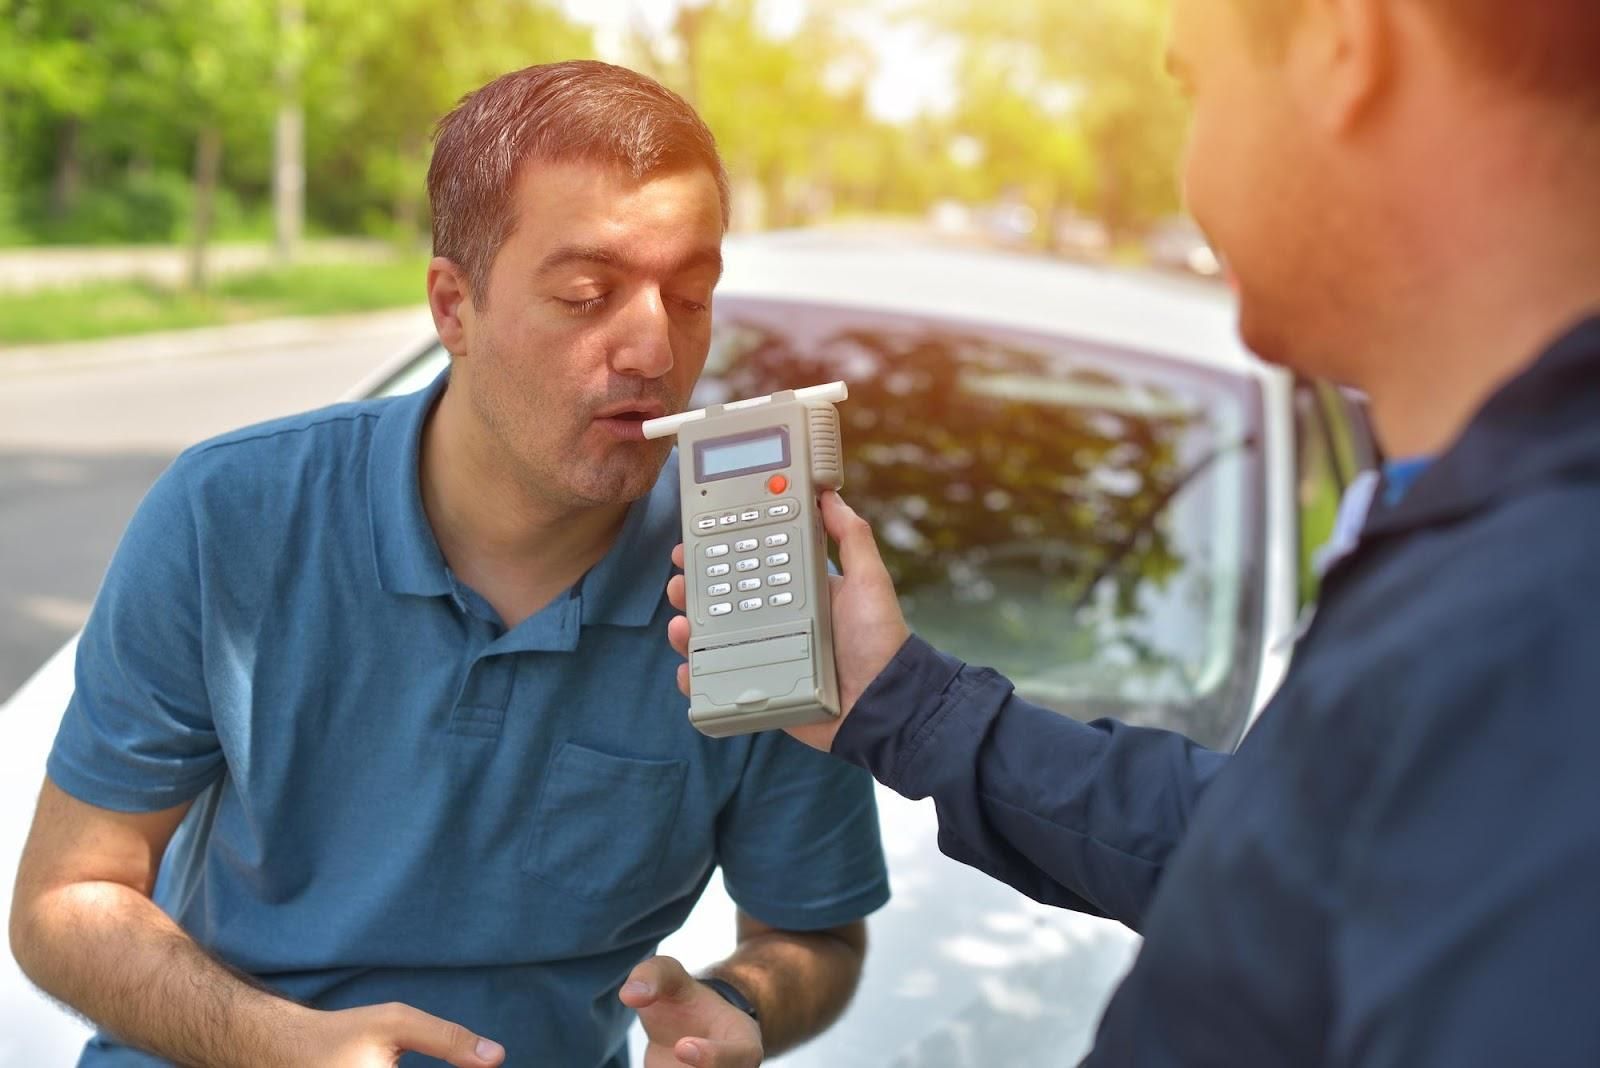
point(138, 735)
point(799, 843)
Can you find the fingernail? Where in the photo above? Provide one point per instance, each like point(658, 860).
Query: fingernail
point(489, 1050)
point(634, 986)
point(690, 1055)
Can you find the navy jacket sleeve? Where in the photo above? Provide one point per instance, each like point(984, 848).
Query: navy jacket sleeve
point(1078, 815)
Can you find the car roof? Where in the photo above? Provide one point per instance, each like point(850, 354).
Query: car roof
point(1141, 310)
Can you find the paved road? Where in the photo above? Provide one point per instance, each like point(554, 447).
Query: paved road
point(85, 429)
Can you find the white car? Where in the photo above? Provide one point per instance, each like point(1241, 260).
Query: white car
point(1076, 476)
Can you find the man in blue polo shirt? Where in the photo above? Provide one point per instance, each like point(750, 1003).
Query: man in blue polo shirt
point(375, 750)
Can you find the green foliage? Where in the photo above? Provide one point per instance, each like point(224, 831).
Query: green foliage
point(102, 105)
point(133, 209)
point(319, 289)
point(381, 76)
point(100, 310)
point(136, 209)
point(115, 308)
point(9, 232)
point(1069, 102)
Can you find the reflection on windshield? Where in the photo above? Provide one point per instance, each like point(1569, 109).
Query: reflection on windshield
point(1080, 519)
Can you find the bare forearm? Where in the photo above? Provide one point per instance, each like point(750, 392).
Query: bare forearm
point(800, 983)
point(110, 953)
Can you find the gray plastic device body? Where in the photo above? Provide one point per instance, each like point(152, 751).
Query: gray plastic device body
point(755, 562)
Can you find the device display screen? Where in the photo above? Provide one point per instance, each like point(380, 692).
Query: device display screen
point(741, 454)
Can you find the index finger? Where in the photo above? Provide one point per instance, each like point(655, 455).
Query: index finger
point(421, 1032)
point(677, 556)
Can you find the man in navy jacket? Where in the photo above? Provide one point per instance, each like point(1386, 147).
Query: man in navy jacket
point(1400, 867)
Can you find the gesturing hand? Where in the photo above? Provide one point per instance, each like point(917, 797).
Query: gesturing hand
point(375, 1036)
point(687, 1022)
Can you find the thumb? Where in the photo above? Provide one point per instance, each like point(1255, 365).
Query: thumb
point(858, 550)
point(416, 1031)
point(657, 979)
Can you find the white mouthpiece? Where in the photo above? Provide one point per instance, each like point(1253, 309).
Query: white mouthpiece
point(832, 393)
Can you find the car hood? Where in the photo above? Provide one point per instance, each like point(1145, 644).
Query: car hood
point(961, 970)
point(33, 1031)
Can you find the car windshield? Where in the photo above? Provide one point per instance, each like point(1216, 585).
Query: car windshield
point(1081, 518)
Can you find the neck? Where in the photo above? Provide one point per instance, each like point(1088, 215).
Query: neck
point(1497, 256)
point(514, 545)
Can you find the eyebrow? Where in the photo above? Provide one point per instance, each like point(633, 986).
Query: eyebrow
point(608, 257)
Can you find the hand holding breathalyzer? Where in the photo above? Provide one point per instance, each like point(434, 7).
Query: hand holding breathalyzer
point(761, 648)
point(761, 656)
point(868, 626)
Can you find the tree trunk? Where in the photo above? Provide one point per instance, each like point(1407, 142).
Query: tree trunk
point(7, 210)
point(207, 166)
point(68, 180)
point(407, 217)
point(690, 23)
point(288, 142)
point(774, 199)
point(1057, 209)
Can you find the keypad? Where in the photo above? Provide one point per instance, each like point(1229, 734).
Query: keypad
point(760, 572)
point(752, 582)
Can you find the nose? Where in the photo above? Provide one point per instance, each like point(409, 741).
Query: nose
point(643, 348)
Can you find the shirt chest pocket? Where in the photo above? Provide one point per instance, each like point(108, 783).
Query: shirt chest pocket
point(604, 823)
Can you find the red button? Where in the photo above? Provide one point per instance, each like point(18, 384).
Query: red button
point(777, 484)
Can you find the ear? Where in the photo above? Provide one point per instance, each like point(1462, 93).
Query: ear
point(1341, 59)
point(450, 300)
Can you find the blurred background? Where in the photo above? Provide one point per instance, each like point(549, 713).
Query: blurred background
point(168, 165)
point(253, 134)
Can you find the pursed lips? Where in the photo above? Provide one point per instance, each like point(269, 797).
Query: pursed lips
point(626, 423)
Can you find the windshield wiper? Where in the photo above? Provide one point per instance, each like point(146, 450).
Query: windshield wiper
point(1145, 522)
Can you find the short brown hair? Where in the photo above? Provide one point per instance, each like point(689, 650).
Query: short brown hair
point(1545, 47)
point(558, 112)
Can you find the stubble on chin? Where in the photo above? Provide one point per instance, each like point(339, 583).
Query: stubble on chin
point(624, 473)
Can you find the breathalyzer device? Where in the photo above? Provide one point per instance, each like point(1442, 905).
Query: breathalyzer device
point(755, 558)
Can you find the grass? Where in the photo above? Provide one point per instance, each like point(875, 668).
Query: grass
point(111, 309)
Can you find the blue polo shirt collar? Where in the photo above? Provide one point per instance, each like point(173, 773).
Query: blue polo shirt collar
point(404, 550)
point(628, 586)
point(624, 589)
